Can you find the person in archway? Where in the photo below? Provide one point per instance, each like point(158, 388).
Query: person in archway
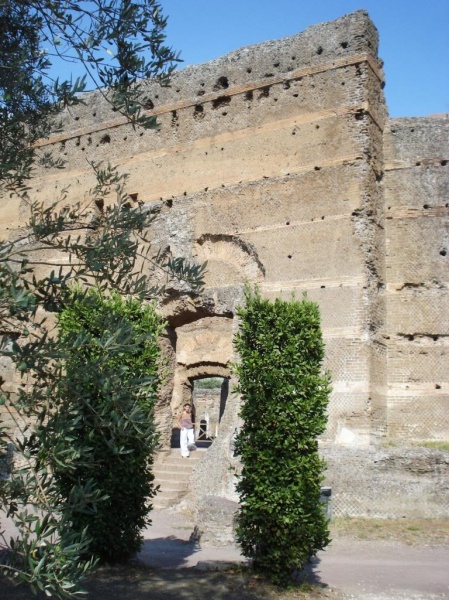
point(185, 423)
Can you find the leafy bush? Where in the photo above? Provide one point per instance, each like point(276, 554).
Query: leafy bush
point(281, 523)
point(209, 383)
point(102, 413)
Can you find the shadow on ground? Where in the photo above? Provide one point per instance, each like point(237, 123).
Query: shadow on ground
point(217, 580)
point(137, 583)
point(167, 552)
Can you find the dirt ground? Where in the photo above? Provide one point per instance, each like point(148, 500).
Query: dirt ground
point(411, 532)
point(142, 583)
point(368, 559)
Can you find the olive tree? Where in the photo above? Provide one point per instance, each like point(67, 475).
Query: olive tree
point(117, 43)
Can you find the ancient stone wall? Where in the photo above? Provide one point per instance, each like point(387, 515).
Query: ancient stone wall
point(417, 265)
point(277, 164)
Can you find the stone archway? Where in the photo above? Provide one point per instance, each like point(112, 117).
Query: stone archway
point(229, 259)
point(203, 348)
point(201, 327)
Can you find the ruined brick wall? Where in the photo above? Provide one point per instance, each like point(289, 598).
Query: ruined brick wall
point(277, 164)
point(267, 165)
point(417, 266)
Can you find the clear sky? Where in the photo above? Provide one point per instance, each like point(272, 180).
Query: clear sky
point(414, 38)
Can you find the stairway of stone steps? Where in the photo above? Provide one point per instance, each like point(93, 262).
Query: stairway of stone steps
point(172, 473)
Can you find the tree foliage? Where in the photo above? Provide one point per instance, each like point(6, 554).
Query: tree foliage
point(118, 43)
point(281, 523)
point(50, 495)
point(52, 551)
point(209, 383)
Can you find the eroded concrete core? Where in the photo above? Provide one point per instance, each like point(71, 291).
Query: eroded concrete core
point(279, 166)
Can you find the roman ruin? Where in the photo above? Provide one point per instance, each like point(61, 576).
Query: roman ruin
point(278, 165)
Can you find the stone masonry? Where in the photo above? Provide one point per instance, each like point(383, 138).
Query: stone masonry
point(279, 166)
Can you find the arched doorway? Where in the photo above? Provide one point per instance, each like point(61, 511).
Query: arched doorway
point(208, 394)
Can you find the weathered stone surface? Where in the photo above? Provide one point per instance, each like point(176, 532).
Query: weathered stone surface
point(388, 482)
point(217, 518)
point(417, 285)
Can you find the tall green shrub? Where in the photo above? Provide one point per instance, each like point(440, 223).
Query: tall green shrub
point(102, 414)
point(284, 397)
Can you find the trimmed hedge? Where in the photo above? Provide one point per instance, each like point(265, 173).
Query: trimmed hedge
point(281, 523)
point(103, 414)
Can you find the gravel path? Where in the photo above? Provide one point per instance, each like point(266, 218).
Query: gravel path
point(171, 567)
point(359, 569)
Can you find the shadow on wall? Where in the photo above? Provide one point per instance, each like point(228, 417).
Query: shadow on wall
point(175, 441)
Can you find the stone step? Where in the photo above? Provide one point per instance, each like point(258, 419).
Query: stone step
point(173, 465)
point(170, 496)
point(163, 502)
point(175, 455)
point(171, 485)
point(164, 493)
point(178, 467)
point(160, 502)
point(173, 497)
point(177, 452)
point(172, 473)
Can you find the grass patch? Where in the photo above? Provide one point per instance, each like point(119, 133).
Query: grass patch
point(414, 532)
point(434, 444)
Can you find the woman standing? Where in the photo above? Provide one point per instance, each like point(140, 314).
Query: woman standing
point(185, 423)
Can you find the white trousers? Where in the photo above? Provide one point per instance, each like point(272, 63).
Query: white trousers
point(187, 438)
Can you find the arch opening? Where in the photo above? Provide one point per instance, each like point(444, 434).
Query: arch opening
point(208, 397)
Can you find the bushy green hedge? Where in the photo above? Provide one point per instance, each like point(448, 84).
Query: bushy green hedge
point(284, 397)
point(102, 414)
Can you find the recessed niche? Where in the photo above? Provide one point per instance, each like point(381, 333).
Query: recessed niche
point(221, 84)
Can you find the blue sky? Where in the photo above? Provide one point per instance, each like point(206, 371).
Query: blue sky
point(414, 38)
